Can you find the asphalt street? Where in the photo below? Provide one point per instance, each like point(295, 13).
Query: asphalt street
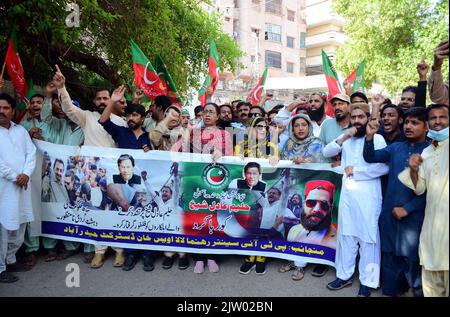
point(49, 279)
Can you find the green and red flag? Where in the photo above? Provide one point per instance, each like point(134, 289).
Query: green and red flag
point(14, 67)
point(22, 108)
point(213, 74)
point(333, 84)
point(356, 78)
point(255, 95)
point(165, 77)
point(202, 96)
point(213, 64)
point(145, 76)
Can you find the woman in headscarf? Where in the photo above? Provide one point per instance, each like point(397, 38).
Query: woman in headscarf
point(302, 146)
point(256, 143)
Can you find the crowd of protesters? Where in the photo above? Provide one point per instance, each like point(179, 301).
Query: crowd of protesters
point(393, 208)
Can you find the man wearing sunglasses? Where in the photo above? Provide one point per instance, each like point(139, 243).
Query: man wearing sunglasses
point(256, 112)
point(315, 225)
point(316, 215)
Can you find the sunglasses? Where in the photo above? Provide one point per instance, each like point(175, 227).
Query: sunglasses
point(324, 205)
point(261, 127)
point(256, 115)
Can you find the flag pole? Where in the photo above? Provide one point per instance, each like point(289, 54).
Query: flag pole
point(3, 69)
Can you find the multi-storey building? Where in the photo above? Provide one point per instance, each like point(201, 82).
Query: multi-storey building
point(287, 36)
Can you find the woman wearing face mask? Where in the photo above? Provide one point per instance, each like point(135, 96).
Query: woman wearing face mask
point(302, 146)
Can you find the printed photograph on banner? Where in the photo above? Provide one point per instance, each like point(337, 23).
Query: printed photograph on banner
point(75, 180)
point(313, 202)
point(125, 199)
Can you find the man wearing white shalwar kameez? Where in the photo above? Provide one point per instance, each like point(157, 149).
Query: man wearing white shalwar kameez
point(17, 162)
point(359, 205)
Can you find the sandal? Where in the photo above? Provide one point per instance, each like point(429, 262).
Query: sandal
point(87, 257)
point(298, 274)
point(66, 254)
point(30, 259)
point(287, 267)
point(51, 255)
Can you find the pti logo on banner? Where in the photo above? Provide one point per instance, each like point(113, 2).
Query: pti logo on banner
point(215, 175)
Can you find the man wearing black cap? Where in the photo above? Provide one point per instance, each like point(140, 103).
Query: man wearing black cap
point(133, 137)
point(358, 96)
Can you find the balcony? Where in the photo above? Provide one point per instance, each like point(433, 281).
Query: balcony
point(327, 38)
point(317, 19)
point(314, 61)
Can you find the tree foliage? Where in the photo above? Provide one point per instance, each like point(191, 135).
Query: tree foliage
point(392, 36)
point(98, 51)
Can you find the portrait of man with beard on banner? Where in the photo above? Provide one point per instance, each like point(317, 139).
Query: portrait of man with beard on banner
point(315, 225)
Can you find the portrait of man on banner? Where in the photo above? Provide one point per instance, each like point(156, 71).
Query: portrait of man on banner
point(252, 178)
point(315, 225)
point(125, 185)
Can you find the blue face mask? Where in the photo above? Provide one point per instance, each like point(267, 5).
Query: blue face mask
point(438, 135)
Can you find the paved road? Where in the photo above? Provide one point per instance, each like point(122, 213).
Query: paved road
point(48, 279)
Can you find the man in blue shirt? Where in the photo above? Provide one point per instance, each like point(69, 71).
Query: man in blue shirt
point(401, 217)
point(392, 118)
point(133, 137)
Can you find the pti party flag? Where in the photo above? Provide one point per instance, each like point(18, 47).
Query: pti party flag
point(21, 109)
point(145, 76)
point(14, 67)
point(202, 96)
point(356, 78)
point(255, 95)
point(213, 64)
point(334, 86)
point(213, 74)
point(165, 77)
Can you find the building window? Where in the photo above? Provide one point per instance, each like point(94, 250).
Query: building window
point(273, 59)
point(256, 5)
point(273, 32)
point(302, 39)
point(253, 58)
point(290, 42)
point(291, 15)
point(290, 67)
point(314, 70)
point(274, 6)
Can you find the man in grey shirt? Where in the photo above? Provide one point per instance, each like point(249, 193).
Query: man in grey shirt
point(332, 128)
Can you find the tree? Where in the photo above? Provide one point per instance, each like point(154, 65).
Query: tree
point(98, 51)
point(392, 36)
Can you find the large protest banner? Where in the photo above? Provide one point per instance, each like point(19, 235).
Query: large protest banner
point(187, 203)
